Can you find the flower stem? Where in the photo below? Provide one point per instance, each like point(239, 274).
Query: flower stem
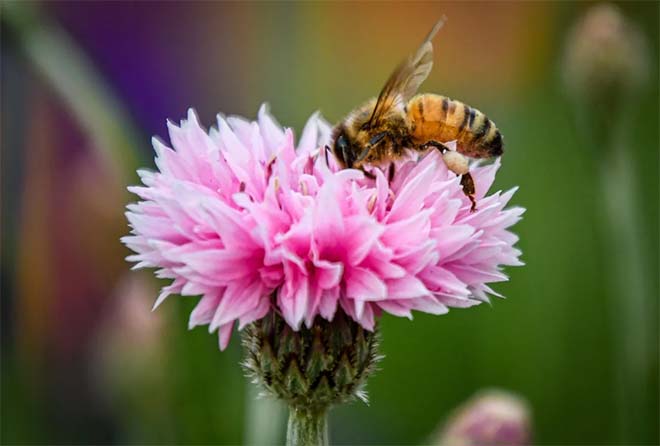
point(632, 304)
point(307, 427)
point(264, 419)
point(624, 229)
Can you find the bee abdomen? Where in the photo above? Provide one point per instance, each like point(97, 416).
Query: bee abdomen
point(439, 118)
point(482, 135)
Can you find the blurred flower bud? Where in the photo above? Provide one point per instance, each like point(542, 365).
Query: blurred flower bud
point(491, 418)
point(130, 347)
point(604, 51)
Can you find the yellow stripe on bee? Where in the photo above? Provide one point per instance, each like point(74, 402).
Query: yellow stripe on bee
point(479, 120)
point(491, 134)
point(433, 110)
point(424, 116)
point(456, 121)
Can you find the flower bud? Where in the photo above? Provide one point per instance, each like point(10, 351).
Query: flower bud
point(604, 51)
point(313, 368)
point(490, 418)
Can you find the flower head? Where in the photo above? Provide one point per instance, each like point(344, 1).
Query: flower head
point(492, 417)
point(605, 52)
point(251, 223)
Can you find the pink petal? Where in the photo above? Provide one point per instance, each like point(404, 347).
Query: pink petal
point(362, 284)
point(362, 232)
point(409, 200)
point(407, 287)
point(452, 238)
point(224, 335)
point(204, 311)
point(292, 299)
point(328, 303)
point(309, 136)
point(237, 300)
point(328, 274)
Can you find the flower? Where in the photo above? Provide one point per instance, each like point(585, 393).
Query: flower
point(251, 223)
point(605, 52)
point(492, 417)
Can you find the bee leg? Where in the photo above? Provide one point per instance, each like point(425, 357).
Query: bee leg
point(435, 144)
point(363, 154)
point(390, 173)
point(378, 138)
point(369, 175)
point(458, 164)
point(327, 162)
point(468, 189)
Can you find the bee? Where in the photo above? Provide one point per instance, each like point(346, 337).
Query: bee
point(382, 130)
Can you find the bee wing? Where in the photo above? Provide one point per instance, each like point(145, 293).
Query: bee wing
point(404, 82)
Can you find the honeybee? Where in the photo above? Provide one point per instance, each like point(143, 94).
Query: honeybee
point(382, 130)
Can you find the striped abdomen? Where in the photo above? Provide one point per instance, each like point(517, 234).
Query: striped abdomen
point(437, 118)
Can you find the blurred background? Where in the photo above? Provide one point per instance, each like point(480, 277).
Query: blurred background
point(86, 84)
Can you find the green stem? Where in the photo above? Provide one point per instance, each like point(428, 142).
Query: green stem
point(623, 225)
point(307, 428)
point(264, 419)
point(633, 309)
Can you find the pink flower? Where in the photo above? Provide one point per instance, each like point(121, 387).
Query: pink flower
point(253, 224)
point(492, 417)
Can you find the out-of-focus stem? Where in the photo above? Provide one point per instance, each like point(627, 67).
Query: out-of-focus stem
point(627, 260)
point(307, 428)
point(74, 78)
point(607, 135)
point(632, 310)
point(264, 419)
point(606, 63)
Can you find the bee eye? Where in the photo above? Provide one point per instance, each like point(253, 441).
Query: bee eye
point(342, 143)
point(342, 151)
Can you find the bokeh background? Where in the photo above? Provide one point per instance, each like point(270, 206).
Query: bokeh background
point(86, 84)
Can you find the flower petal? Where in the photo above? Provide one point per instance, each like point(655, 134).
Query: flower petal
point(362, 284)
